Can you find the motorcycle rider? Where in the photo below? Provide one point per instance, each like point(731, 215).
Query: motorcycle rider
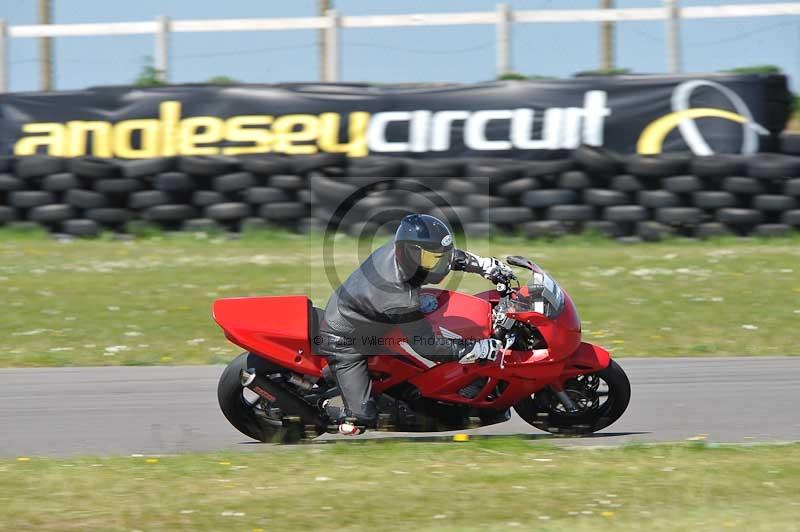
point(383, 293)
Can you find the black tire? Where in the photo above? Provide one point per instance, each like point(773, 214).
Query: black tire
point(10, 183)
point(546, 168)
point(773, 166)
point(792, 188)
point(261, 195)
point(774, 203)
point(147, 198)
point(368, 203)
point(6, 163)
point(650, 231)
point(712, 166)
point(514, 189)
point(385, 169)
point(383, 215)
point(169, 213)
point(7, 214)
point(571, 213)
point(507, 215)
point(710, 230)
point(60, 182)
point(682, 216)
point(549, 197)
point(604, 227)
point(174, 182)
point(682, 184)
point(333, 192)
point(444, 168)
point(656, 199)
point(26, 199)
point(109, 216)
point(790, 143)
point(204, 198)
point(457, 216)
point(742, 185)
point(626, 183)
point(266, 165)
point(424, 201)
point(367, 181)
point(303, 164)
point(207, 165)
point(49, 214)
point(306, 197)
point(85, 199)
point(597, 160)
point(714, 199)
point(657, 166)
point(202, 225)
point(287, 182)
point(140, 168)
point(121, 186)
point(95, 167)
point(484, 173)
point(288, 210)
point(739, 217)
point(791, 218)
point(484, 201)
point(82, 228)
point(240, 412)
point(38, 166)
point(574, 180)
point(543, 229)
point(542, 412)
point(625, 213)
point(772, 230)
point(460, 186)
point(480, 229)
point(227, 212)
point(234, 182)
point(605, 198)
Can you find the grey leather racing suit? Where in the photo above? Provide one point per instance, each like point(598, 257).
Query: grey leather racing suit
point(374, 299)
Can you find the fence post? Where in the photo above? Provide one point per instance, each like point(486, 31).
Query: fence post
point(331, 47)
point(503, 35)
point(3, 56)
point(673, 36)
point(162, 48)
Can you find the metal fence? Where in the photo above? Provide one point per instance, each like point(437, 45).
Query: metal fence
point(503, 18)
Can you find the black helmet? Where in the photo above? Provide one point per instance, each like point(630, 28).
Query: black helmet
point(423, 247)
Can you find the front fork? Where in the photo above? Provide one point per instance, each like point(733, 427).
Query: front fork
point(566, 401)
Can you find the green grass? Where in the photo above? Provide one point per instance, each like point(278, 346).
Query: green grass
point(147, 301)
point(486, 485)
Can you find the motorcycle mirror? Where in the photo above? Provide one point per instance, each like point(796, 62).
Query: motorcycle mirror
point(522, 262)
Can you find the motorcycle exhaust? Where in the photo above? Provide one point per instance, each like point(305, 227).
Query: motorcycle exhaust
point(287, 400)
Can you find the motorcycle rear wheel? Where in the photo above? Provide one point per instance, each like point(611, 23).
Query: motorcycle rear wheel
point(248, 414)
point(544, 411)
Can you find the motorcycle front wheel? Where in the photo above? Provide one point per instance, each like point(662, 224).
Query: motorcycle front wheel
point(601, 398)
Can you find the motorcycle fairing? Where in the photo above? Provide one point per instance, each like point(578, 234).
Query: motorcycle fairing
point(273, 327)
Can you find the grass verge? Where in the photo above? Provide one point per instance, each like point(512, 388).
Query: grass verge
point(488, 484)
point(147, 301)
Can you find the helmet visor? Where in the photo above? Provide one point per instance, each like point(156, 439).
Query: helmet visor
point(433, 260)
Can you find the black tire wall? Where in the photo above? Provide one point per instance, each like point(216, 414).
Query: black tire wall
point(634, 197)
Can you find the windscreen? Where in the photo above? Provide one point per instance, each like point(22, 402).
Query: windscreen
point(542, 294)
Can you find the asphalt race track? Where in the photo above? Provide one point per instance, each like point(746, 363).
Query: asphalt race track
point(163, 410)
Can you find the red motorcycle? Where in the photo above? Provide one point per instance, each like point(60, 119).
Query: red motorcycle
point(275, 390)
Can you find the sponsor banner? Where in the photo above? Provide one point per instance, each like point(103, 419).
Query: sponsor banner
point(704, 114)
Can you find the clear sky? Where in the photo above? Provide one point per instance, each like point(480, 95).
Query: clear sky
point(455, 54)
